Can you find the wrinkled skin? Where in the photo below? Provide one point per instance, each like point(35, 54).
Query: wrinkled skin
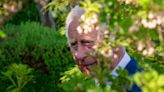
point(83, 43)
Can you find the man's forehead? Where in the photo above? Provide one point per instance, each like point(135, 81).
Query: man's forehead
point(74, 35)
point(74, 24)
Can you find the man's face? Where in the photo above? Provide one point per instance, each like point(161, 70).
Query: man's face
point(81, 45)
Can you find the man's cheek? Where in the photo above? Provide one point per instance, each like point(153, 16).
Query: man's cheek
point(94, 47)
point(73, 54)
point(74, 57)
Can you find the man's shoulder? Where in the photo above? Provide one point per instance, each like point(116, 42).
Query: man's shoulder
point(132, 66)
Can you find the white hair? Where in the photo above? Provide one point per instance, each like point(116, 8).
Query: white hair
point(75, 14)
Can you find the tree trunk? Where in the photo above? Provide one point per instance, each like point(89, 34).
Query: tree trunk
point(45, 17)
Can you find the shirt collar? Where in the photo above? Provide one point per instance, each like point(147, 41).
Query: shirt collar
point(122, 64)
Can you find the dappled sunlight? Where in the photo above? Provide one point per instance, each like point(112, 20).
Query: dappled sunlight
point(150, 81)
point(105, 46)
point(151, 22)
point(147, 48)
point(88, 24)
point(128, 1)
point(8, 9)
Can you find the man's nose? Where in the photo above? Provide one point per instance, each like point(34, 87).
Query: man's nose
point(81, 52)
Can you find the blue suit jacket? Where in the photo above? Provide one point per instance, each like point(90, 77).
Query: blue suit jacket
point(132, 68)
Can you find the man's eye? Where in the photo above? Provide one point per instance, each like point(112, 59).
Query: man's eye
point(89, 44)
point(74, 46)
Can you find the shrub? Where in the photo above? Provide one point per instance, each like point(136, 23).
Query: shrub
point(29, 12)
point(19, 75)
point(41, 48)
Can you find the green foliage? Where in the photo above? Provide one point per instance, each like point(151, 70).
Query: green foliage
point(58, 8)
point(91, 7)
point(74, 81)
point(29, 12)
point(150, 81)
point(145, 3)
point(19, 75)
point(2, 34)
point(39, 47)
point(130, 23)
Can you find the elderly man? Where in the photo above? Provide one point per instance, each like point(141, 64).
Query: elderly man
point(82, 43)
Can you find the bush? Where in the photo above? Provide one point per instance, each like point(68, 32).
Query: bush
point(19, 75)
point(41, 48)
point(132, 23)
point(29, 12)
